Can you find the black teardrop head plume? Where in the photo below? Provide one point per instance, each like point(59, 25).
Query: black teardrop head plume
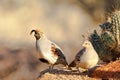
point(33, 31)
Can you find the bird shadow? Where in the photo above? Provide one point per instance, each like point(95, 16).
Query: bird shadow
point(56, 71)
point(66, 72)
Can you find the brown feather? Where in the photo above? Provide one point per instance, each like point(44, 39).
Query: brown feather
point(53, 49)
point(60, 56)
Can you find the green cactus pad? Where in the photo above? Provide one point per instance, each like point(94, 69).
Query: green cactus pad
point(108, 39)
point(107, 44)
point(98, 44)
point(106, 26)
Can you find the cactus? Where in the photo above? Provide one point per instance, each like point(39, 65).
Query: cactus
point(115, 21)
point(108, 39)
point(107, 44)
point(97, 43)
point(106, 26)
point(100, 47)
point(107, 36)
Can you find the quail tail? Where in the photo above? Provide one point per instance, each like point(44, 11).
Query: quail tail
point(72, 64)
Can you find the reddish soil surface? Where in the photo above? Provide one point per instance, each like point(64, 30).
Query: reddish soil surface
point(111, 70)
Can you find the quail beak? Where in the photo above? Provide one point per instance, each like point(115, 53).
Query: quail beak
point(83, 45)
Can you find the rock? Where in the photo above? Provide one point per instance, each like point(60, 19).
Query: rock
point(64, 75)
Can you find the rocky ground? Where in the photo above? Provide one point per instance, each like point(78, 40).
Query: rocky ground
point(65, 75)
point(109, 71)
point(22, 64)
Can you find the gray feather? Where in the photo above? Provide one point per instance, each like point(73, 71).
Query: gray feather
point(61, 58)
point(77, 57)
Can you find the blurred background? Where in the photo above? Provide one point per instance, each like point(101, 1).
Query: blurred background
point(63, 22)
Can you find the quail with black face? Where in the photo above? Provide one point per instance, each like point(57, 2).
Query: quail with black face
point(48, 51)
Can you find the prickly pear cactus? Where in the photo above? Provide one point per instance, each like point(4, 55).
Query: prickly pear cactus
point(100, 47)
point(107, 44)
point(106, 26)
point(107, 36)
point(97, 43)
point(108, 39)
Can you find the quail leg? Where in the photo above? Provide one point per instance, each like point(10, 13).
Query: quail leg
point(51, 68)
point(78, 70)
